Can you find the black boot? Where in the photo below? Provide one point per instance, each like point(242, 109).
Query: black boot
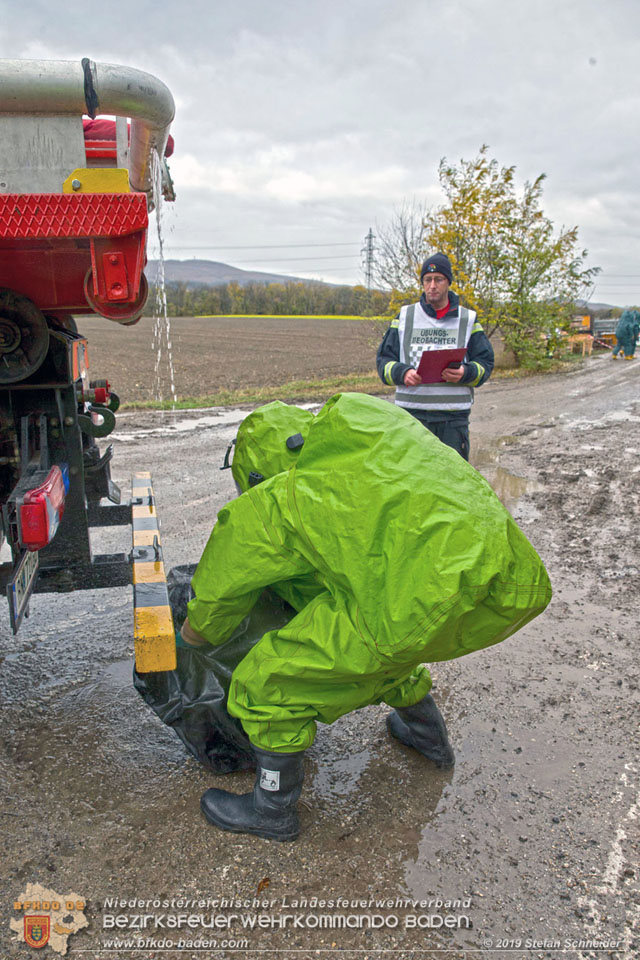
point(270, 811)
point(423, 728)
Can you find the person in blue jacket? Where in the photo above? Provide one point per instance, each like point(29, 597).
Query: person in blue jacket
point(436, 322)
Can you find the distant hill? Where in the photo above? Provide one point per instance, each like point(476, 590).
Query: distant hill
point(214, 274)
point(595, 306)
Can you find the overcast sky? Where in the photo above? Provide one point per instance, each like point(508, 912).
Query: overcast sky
point(302, 123)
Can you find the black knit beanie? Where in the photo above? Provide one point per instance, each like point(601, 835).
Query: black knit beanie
point(437, 263)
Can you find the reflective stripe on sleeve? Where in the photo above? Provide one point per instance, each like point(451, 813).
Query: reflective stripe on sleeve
point(481, 373)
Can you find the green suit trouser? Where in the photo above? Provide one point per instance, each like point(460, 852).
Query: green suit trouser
point(316, 668)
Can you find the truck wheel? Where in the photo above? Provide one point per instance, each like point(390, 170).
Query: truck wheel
point(24, 337)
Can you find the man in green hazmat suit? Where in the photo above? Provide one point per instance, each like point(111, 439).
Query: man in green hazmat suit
point(392, 550)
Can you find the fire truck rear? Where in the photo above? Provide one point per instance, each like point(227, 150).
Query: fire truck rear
point(73, 231)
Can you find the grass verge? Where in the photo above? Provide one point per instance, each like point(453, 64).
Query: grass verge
point(293, 390)
point(309, 390)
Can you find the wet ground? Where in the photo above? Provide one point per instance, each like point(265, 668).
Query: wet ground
point(532, 840)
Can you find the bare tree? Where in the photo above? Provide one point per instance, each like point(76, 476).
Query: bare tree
point(401, 248)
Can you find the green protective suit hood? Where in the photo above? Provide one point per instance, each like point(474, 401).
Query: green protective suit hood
point(261, 444)
point(392, 549)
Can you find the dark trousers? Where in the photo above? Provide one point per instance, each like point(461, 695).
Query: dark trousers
point(453, 431)
point(455, 435)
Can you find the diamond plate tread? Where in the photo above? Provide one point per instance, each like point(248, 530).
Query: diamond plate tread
point(36, 216)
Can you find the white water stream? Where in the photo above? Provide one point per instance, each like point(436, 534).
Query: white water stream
point(161, 323)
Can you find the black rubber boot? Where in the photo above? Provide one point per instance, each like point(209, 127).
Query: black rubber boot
point(423, 728)
point(270, 811)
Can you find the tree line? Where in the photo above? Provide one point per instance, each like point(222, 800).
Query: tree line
point(275, 299)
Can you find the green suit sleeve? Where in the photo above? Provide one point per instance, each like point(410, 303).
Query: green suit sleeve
point(246, 552)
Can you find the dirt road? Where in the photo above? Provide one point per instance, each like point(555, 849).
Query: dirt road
point(531, 841)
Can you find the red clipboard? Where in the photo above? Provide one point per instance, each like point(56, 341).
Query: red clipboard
point(433, 362)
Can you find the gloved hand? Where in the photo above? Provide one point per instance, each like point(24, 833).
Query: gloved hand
point(182, 644)
point(192, 643)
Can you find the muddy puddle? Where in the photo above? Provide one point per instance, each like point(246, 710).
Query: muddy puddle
point(509, 487)
point(140, 425)
point(341, 777)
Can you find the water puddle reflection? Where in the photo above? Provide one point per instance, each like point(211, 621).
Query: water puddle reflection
point(337, 777)
point(509, 487)
point(191, 420)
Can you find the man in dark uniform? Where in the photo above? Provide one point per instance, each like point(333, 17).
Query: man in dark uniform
point(436, 322)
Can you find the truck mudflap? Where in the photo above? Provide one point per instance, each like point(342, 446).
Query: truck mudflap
point(153, 631)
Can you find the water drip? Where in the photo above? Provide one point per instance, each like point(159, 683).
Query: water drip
point(161, 342)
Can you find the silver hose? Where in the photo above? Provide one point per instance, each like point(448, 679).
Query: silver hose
point(68, 87)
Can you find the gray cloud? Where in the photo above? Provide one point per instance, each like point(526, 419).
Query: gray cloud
point(308, 122)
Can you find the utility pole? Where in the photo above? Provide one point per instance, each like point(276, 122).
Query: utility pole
point(368, 254)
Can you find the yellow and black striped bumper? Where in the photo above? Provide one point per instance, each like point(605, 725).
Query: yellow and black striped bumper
point(153, 633)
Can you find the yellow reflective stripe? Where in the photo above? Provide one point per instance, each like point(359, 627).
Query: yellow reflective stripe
point(143, 511)
point(141, 484)
point(154, 639)
point(153, 632)
point(481, 371)
point(145, 538)
point(477, 328)
point(394, 323)
point(387, 371)
point(148, 571)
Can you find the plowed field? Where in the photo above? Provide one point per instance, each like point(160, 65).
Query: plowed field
point(212, 354)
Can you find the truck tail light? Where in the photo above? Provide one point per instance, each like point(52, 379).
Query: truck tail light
point(41, 509)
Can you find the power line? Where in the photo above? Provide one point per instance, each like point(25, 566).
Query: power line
point(295, 259)
point(335, 269)
point(265, 246)
point(311, 270)
point(352, 270)
point(309, 274)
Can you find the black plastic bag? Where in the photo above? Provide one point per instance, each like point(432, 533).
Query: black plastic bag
point(193, 698)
